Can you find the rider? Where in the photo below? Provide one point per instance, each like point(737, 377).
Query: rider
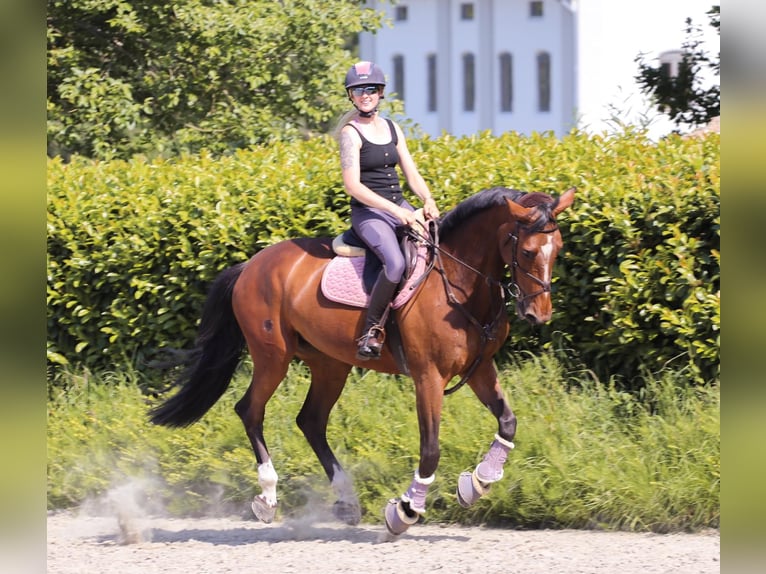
point(370, 149)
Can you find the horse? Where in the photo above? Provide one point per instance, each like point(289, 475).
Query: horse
point(453, 325)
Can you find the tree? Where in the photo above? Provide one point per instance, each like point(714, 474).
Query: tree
point(682, 97)
point(141, 76)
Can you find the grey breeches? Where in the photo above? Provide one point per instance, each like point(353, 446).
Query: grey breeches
point(378, 230)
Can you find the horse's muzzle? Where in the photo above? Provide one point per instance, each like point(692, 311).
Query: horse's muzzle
point(528, 313)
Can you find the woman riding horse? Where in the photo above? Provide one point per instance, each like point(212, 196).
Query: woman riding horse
point(370, 150)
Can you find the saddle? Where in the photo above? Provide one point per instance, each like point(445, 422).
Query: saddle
point(349, 277)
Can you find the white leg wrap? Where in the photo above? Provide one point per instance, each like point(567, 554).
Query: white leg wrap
point(504, 442)
point(267, 478)
point(416, 493)
point(426, 481)
point(490, 469)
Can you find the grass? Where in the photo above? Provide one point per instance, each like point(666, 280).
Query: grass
point(587, 455)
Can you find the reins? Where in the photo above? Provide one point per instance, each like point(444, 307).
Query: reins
point(486, 331)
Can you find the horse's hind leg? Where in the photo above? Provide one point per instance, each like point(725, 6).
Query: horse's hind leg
point(473, 485)
point(251, 409)
point(328, 377)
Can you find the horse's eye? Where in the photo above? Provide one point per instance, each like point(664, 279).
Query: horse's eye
point(527, 253)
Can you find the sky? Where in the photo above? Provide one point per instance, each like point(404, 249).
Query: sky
point(611, 34)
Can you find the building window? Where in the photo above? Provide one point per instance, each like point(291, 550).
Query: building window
point(466, 11)
point(506, 82)
point(469, 82)
point(431, 65)
point(536, 9)
point(398, 66)
point(400, 14)
point(544, 82)
point(670, 62)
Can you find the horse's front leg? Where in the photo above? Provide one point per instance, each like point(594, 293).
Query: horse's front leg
point(403, 512)
point(473, 485)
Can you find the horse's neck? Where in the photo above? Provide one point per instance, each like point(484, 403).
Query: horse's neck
point(474, 249)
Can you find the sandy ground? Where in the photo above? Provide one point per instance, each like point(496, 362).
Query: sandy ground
point(81, 544)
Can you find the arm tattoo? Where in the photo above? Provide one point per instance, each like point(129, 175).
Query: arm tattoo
point(346, 151)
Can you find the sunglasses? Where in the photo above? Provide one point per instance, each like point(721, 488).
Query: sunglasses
point(369, 90)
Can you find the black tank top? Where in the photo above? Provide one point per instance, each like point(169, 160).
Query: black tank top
point(377, 167)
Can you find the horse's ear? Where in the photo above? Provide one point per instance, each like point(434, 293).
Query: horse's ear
point(520, 213)
point(565, 200)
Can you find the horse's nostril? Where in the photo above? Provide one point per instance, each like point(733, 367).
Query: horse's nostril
point(532, 318)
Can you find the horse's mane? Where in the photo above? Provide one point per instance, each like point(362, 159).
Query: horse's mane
point(493, 197)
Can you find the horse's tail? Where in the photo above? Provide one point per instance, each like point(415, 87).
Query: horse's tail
point(210, 365)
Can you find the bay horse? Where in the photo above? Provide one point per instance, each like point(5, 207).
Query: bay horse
point(452, 326)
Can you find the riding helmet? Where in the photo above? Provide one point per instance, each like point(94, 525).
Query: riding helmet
point(364, 74)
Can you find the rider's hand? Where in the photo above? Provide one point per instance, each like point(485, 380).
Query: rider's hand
point(406, 216)
point(430, 210)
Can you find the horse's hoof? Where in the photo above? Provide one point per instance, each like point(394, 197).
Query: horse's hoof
point(263, 510)
point(470, 489)
point(397, 518)
point(348, 512)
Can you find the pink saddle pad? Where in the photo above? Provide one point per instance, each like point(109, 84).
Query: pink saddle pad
point(342, 281)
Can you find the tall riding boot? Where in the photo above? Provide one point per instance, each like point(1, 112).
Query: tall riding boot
point(373, 335)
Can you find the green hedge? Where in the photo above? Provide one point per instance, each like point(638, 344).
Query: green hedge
point(133, 245)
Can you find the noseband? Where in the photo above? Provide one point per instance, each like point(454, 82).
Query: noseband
point(513, 288)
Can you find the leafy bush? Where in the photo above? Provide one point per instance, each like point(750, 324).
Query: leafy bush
point(157, 78)
point(132, 245)
point(637, 285)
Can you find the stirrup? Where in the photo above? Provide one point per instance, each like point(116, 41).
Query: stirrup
point(366, 351)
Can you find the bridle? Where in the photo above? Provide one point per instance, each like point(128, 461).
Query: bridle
point(486, 331)
point(514, 289)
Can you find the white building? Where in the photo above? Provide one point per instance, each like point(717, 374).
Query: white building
point(465, 66)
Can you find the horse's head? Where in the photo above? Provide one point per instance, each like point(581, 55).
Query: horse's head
point(529, 244)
